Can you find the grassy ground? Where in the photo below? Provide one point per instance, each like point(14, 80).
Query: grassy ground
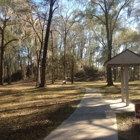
point(29, 113)
point(128, 126)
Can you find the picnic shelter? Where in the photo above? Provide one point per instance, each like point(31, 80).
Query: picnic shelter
point(124, 60)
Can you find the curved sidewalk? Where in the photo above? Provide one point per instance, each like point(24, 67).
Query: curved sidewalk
point(93, 119)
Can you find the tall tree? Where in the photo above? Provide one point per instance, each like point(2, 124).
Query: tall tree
point(34, 17)
point(52, 8)
point(7, 19)
point(107, 13)
point(65, 21)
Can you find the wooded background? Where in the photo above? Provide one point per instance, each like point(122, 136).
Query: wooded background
point(66, 40)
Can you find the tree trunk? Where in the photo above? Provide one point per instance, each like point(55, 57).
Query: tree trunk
point(114, 73)
point(8, 75)
point(52, 48)
point(28, 67)
point(9, 71)
point(23, 71)
point(2, 58)
point(65, 43)
point(1, 67)
point(109, 72)
point(53, 75)
point(72, 70)
point(38, 74)
point(109, 77)
point(38, 55)
point(109, 43)
point(32, 67)
point(44, 61)
point(134, 73)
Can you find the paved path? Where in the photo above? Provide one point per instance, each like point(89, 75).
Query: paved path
point(93, 119)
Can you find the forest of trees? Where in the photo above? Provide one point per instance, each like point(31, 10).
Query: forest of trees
point(65, 39)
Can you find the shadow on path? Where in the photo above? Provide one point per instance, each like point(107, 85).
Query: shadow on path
point(93, 119)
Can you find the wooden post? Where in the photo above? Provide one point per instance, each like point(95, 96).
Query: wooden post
point(122, 84)
point(126, 85)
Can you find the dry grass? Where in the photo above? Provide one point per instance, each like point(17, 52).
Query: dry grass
point(128, 126)
point(29, 113)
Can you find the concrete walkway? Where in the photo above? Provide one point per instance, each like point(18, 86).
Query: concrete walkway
point(93, 119)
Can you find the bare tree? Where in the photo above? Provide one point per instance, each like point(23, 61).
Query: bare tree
point(32, 15)
point(6, 22)
point(65, 22)
point(52, 8)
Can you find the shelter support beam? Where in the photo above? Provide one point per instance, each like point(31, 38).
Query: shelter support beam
point(122, 83)
point(126, 85)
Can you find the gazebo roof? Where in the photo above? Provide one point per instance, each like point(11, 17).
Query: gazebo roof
point(126, 57)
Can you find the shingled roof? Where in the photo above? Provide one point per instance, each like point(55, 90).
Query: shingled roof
point(126, 57)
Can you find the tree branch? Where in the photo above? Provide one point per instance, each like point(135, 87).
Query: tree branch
point(100, 6)
point(9, 42)
point(110, 5)
point(99, 19)
point(118, 14)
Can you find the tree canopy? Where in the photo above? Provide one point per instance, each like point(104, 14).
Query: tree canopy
point(52, 39)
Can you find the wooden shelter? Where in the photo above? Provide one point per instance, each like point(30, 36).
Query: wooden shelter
point(124, 60)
